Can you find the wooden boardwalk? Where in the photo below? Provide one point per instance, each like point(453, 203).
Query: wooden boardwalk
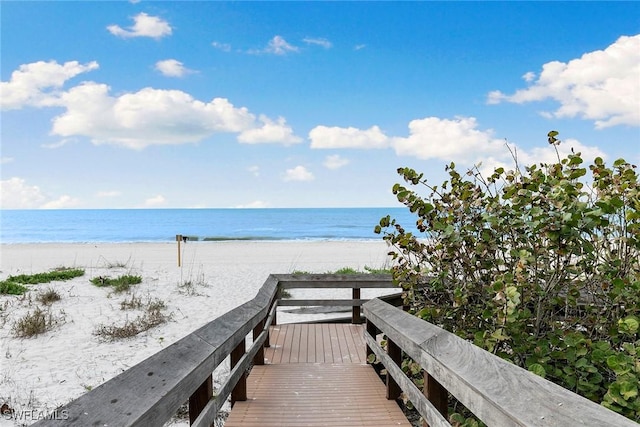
point(315, 375)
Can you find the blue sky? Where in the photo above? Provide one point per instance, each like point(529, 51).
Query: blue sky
point(300, 104)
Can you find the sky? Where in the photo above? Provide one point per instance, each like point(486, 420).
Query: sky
point(167, 104)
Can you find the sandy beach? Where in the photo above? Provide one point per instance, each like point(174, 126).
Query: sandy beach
point(42, 373)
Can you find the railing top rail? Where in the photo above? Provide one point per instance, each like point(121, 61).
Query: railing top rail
point(350, 281)
point(498, 392)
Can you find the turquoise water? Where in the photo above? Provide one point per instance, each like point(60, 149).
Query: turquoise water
point(162, 225)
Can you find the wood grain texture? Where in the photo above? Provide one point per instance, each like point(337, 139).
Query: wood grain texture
point(312, 394)
point(498, 392)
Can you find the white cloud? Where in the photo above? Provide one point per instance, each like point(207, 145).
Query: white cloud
point(172, 68)
point(134, 120)
point(270, 131)
point(158, 200)
point(63, 202)
point(147, 117)
point(318, 41)
point(6, 160)
point(547, 154)
point(335, 162)
point(38, 83)
point(359, 46)
point(254, 170)
point(225, 47)
point(299, 173)
point(144, 26)
point(277, 46)
point(15, 193)
point(337, 137)
point(436, 138)
point(256, 204)
point(602, 86)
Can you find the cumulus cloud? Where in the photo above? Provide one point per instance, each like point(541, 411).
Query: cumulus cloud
point(256, 204)
point(137, 119)
point(15, 193)
point(277, 46)
point(445, 139)
point(143, 26)
point(147, 117)
point(335, 161)
point(154, 201)
point(172, 68)
point(270, 131)
point(318, 42)
point(299, 173)
point(63, 202)
point(225, 47)
point(38, 84)
point(602, 86)
point(337, 137)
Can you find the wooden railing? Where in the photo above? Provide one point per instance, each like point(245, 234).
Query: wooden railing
point(496, 391)
point(151, 392)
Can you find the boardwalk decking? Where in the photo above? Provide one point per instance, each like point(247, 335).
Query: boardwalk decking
point(315, 375)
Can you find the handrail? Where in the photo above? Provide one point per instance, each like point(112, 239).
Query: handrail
point(496, 391)
point(152, 391)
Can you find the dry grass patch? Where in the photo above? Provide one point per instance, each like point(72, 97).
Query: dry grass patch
point(48, 296)
point(153, 315)
point(34, 323)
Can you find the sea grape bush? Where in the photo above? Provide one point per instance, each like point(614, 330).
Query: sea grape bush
point(539, 266)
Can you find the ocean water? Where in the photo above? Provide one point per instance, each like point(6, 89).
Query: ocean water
point(162, 225)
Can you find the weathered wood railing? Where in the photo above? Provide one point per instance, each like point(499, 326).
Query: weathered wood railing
point(496, 391)
point(151, 392)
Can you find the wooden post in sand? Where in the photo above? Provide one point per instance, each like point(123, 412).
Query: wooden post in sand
point(179, 239)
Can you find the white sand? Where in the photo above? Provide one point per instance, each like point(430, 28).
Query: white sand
point(39, 374)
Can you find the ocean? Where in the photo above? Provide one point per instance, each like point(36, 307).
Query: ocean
point(162, 225)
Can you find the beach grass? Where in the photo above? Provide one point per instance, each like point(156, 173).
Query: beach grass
point(153, 315)
point(119, 284)
point(15, 285)
point(34, 323)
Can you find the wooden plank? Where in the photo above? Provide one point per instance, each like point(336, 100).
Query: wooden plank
point(327, 344)
point(311, 343)
point(301, 281)
point(498, 392)
point(319, 347)
point(315, 395)
point(322, 302)
point(316, 343)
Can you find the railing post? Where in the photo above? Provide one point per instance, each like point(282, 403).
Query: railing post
point(258, 359)
point(355, 312)
point(199, 399)
point(372, 330)
point(437, 395)
point(395, 353)
point(239, 392)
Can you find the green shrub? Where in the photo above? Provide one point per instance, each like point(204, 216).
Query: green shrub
point(14, 285)
point(534, 266)
point(119, 284)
